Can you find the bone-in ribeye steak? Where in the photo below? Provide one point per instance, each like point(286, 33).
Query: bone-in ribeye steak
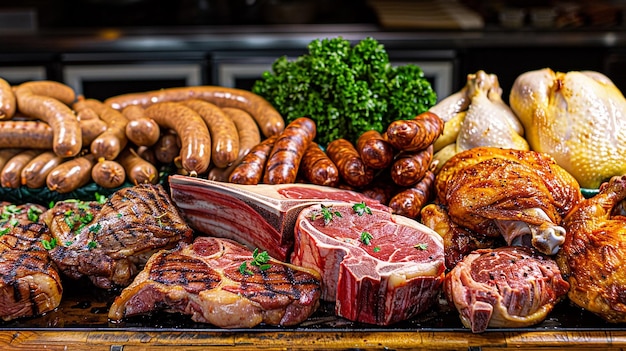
point(29, 282)
point(378, 268)
point(205, 280)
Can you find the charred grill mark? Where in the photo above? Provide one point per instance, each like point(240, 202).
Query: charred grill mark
point(279, 280)
point(192, 274)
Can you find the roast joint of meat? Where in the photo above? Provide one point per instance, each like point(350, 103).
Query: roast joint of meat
point(108, 242)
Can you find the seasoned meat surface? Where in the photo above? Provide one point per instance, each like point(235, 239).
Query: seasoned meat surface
point(109, 242)
point(215, 281)
point(29, 282)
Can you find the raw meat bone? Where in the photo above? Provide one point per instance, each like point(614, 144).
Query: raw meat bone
point(546, 237)
point(259, 216)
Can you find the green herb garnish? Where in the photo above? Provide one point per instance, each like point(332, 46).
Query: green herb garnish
point(49, 245)
point(95, 228)
point(33, 213)
point(421, 246)
point(327, 214)
point(259, 259)
point(92, 245)
point(376, 249)
point(361, 208)
point(4, 230)
point(366, 238)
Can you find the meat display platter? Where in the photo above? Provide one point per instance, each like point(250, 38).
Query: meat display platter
point(81, 323)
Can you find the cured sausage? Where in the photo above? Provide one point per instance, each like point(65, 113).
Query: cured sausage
point(39, 135)
point(349, 163)
point(67, 137)
point(249, 136)
point(286, 155)
point(108, 174)
point(6, 155)
point(91, 129)
point(409, 202)
point(142, 131)
point(7, 100)
point(252, 166)
point(415, 134)
point(11, 174)
point(167, 147)
point(375, 152)
point(34, 174)
point(267, 117)
point(71, 174)
point(224, 137)
point(318, 168)
point(111, 142)
point(195, 139)
point(138, 170)
point(410, 167)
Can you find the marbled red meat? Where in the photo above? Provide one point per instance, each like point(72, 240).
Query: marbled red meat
point(377, 267)
point(511, 286)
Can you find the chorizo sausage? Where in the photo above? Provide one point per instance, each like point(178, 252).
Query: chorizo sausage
point(142, 131)
point(71, 174)
point(67, 138)
point(34, 174)
point(410, 167)
point(111, 142)
point(249, 136)
point(7, 100)
point(415, 134)
point(375, 152)
point(108, 174)
point(224, 138)
point(267, 117)
point(252, 166)
point(167, 147)
point(349, 163)
point(138, 170)
point(194, 135)
point(11, 174)
point(318, 168)
point(409, 202)
point(286, 155)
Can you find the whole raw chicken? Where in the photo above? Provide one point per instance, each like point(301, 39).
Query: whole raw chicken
point(519, 195)
point(593, 255)
point(477, 116)
point(579, 118)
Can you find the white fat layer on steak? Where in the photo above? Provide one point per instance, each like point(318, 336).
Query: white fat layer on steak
point(546, 237)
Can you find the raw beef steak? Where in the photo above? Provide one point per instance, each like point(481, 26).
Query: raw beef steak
point(215, 281)
point(377, 267)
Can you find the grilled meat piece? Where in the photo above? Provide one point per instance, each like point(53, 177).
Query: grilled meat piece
point(206, 280)
point(109, 242)
point(30, 284)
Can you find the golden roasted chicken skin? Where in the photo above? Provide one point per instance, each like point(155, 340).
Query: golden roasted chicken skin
point(594, 253)
point(519, 194)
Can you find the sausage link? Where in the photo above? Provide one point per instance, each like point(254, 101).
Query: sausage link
point(409, 202)
point(67, 137)
point(375, 152)
point(286, 155)
point(34, 174)
point(193, 132)
point(267, 117)
point(138, 170)
point(7, 100)
point(224, 137)
point(108, 174)
point(415, 134)
point(167, 147)
point(11, 174)
point(410, 167)
point(318, 168)
point(147, 153)
point(349, 163)
point(249, 136)
point(39, 135)
point(91, 129)
point(252, 166)
point(56, 90)
point(6, 155)
point(86, 114)
point(71, 174)
point(111, 142)
point(382, 188)
point(142, 131)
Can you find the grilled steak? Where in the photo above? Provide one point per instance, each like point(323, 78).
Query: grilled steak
point(30, 284)
point(260, 215)
point(379, 268)
point(109, 242)
point(504, 287)
point(207, 281)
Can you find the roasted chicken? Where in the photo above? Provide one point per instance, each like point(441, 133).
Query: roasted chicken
point(593, 255)
point(518, 195)
point(579, 118)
